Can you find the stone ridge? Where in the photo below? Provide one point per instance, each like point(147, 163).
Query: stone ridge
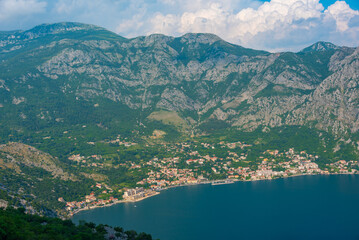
point(14, 155)
point(199, 76)
point(320, 46)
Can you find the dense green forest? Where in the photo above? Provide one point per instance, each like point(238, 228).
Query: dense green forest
point(16, 225)
point(100, 108)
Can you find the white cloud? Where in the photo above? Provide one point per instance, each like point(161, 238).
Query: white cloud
point(273, 25)
point(211, 19)
point(122, 16)
point(174, 17)
point(277, 18)
point(67, 6)
point(278, 24)
point(342, 13)
point(274, 14)
point(131, 26)
point(169, 2)
point(10, 9)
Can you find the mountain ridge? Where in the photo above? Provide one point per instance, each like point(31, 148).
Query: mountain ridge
point(60, 27)
point(320, 46)
point(194, 74)
point(80, 104)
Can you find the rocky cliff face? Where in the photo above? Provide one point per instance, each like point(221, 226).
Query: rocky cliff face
point(200, 76)
point(15, 155)
point(29, 178)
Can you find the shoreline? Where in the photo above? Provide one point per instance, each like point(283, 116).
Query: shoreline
point(194, 184)
point(136, 200)
point(111, 204)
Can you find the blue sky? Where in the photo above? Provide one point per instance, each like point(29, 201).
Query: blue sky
point(354, 4)
point(274, 25)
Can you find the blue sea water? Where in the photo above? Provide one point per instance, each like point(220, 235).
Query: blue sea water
point(305, 207)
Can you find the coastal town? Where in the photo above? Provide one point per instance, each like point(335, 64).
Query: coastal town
point(200, 163)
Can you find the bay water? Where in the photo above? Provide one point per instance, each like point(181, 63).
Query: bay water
point(304, 207)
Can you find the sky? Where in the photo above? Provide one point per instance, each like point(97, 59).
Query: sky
point(272, 25)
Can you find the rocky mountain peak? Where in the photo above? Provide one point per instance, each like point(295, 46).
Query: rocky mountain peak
point(56, 28)
point(320, 46)
point(62, 27)
point(156, 38)
point(202, 38)
point(197, 75)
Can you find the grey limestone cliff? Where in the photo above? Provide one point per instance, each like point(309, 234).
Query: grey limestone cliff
point(196, 73)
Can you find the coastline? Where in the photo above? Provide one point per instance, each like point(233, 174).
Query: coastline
point(194, 184)
point(181, 209)
point(113, 203)
point(136, 200)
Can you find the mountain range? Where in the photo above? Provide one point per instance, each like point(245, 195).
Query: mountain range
point(48, 72)
point(71, 88)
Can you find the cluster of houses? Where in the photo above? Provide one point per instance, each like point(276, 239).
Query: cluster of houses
point(193, 168)
point(168, 176)
point(122, 142)
point(274, 164)
point(266, 170)
point(90, 202)
point(343, 167)
point(138, 193)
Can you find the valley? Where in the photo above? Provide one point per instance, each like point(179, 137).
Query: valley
point(89, 118)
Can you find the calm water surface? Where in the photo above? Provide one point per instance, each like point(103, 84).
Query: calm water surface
point(307, 207)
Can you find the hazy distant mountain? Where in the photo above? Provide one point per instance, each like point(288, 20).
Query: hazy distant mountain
point(69, 73)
